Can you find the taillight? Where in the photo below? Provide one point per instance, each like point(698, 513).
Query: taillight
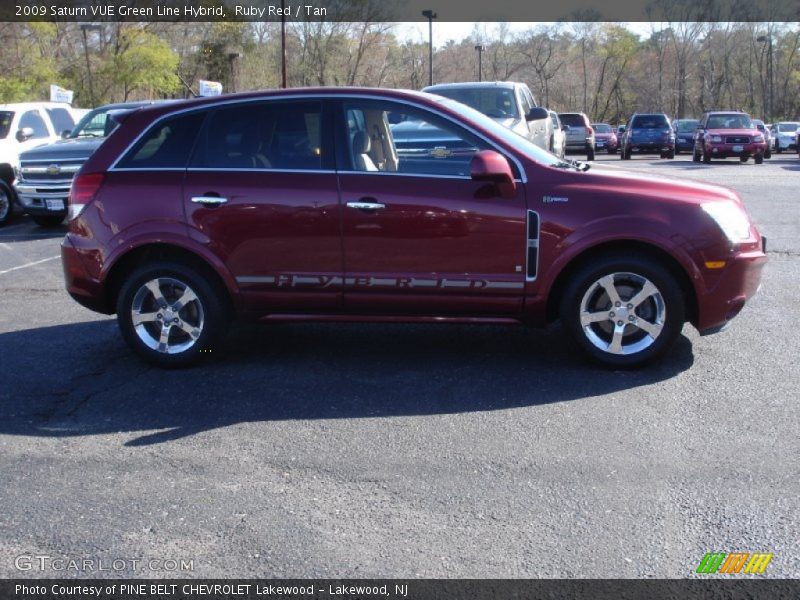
point(83, 190)
point(589, 131)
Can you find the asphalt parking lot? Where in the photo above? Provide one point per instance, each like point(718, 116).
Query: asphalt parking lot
point(402, 451)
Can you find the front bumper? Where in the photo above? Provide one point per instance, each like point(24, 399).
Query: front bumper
point(786, 143)
point(731, 289)
point(719, 150)
point(43, 199)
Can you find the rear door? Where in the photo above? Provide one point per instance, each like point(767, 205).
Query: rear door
point(261, 192)
point(419, 235)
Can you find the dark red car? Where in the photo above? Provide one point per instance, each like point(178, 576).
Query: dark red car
point(296, 204)
point(722, 134)
point(605, 138)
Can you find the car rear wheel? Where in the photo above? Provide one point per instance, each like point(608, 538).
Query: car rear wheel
point(623, 311)
point(744, 159)
point(48, 220)
point(6, 203)
point(696, 155)
point(706, 157)
point(169, 314)
point(590, 154)
point(768, 153)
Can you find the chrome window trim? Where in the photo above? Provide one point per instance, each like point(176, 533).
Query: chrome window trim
point(316, 96)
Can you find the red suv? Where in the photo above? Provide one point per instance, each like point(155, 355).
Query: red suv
point(728, 133)
point(298, 204)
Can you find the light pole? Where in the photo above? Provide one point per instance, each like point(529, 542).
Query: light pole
point(768, 40)
point(479, 48)
point(84, 28)
point(283, 45)
point(430, 15)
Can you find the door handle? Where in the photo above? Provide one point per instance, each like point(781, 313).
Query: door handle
point(366, 205)
point(209, 200)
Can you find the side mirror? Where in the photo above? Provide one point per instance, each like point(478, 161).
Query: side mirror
point(491, 166)
point(24, 134)
point(537, 113)
point(65, 134)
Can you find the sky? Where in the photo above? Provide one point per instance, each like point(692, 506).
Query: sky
point(444, 31)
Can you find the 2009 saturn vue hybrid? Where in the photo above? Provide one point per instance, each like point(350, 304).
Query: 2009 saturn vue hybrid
point(300, 204)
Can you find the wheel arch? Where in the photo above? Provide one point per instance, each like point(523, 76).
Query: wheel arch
point(140, 255)
point(622, 247)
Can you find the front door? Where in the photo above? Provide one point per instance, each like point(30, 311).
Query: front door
point(420, 236)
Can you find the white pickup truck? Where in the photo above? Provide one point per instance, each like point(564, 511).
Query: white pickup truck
point(24, 126)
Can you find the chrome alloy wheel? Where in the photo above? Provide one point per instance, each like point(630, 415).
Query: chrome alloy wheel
point(167, 315)
point(622, 313)
point(5, 206)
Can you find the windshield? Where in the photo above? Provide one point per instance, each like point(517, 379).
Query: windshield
point(516, 141)
point(729, 122)
point(497, 103)
point(649, 122)
point(602, 128)
point(788, 127)
point(6, 117)
point(688, 125)
point(93, 124)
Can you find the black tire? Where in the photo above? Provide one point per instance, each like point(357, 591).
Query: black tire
point(744, 159)
point(759, 158)
point(778, 149)
point(706, 158)
point(622, 153)
point(663, 310)
point(6, 202)
point(696, 155)
point(768, 153)
point(48, 221)
point(677, 152)
point(671, 154)
point(590, 154)
point(204, 314)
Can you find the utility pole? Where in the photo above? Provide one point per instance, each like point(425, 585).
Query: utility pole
point(479, 48)
point(430, 15)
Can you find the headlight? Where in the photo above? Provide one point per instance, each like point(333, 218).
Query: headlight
point(730, 218)
point(758, 138)
point(716, 138)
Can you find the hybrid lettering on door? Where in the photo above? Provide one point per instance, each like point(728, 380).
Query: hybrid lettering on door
point(287, 280)
point(734, 562)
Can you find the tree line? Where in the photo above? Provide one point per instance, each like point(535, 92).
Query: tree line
point(602, 69)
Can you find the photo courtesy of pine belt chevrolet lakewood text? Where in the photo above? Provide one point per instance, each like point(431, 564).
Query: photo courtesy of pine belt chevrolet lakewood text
point(308, 204)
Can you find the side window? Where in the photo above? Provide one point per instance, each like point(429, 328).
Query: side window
point(165, 145)
point(269, 135)
point(527, 105)
point(61, 119)
point(33, 119)
point(394, 138)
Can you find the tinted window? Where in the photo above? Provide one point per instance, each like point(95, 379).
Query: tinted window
point(33, 120)
point(649, 122)
point(61, 118)
point(271, 135)
point(167, 144)
point(92, 125)
point(5, 123)
point(497, 103)
point(602, 128)
point(687, 125)
point(417, 143)
point(572, 119)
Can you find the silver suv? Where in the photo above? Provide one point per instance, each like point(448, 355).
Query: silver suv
point(509, 103)
point(580, 135)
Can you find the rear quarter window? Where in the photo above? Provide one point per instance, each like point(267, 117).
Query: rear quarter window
point(167, 144)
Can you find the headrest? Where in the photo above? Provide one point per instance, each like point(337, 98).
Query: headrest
point(361, 143)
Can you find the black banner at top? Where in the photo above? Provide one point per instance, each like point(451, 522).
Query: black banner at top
point(403, 10)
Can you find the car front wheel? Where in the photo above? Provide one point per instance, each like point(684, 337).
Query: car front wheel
point(169, 314)
point(623, 311)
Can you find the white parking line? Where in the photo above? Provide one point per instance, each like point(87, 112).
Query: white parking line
point(25, 266)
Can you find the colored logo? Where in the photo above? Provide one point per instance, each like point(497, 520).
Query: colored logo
point(735, 562)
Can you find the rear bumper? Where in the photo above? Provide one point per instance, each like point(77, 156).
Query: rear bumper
point(83, 288)
point(739, 281)
point(652, 147)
